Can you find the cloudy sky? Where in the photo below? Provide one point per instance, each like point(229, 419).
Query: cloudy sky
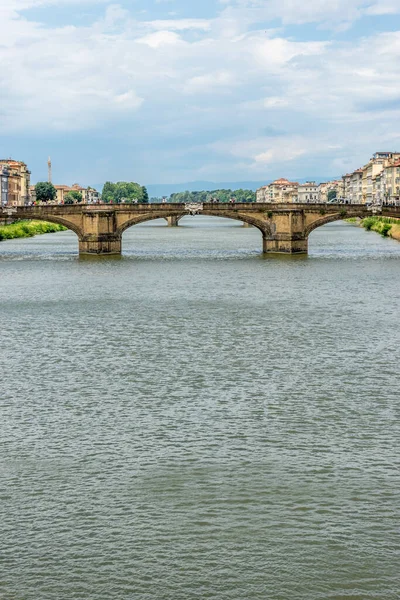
point(181, 90)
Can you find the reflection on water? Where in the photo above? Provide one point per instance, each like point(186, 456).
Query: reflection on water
point(193, 420)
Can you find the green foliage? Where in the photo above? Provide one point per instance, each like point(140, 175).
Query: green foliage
point(343, 212)
point(220, 195)
point(269, 214)
point(368, 222)
point(332, 195)
point(124, 191)
point(145, 195)
point(23, 229)
point(382, 225)
point(73, 197)
point(322, 211)
point(45, 191)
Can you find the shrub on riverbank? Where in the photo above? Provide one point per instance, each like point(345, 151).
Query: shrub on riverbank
point(23, 229)
point(383, 225)
point(386, 226)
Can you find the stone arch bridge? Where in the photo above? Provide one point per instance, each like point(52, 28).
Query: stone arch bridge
point(284, 227)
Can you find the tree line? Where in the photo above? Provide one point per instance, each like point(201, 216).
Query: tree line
point(214, 195)
point(129, 192)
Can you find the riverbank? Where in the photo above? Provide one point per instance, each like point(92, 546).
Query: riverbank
point(386, 226)
point(24, 229)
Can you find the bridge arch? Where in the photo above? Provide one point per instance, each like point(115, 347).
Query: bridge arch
point(341, 216)
point(325, 220)
point(261, 225)
point(60, 221)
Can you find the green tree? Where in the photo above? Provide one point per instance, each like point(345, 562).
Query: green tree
point(45, 191)
point(73, 197)
point(332, 195)
point(221, 195)
point(124, 191)
point(145, 195)
point(107, 194)
point(244, 195)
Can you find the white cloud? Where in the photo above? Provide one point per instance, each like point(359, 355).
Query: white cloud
point(180, 24)
point(209, 83)
point(384, 7)
point(160, 38)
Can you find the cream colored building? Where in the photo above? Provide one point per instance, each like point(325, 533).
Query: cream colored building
point(328, 186)
point(356, 193)
point(18, 181)
point(89, 195)
point(375, 166)
point(377, 182)
point(390, 184)
point(352, 187)
point(280, 190)
point(308, 193)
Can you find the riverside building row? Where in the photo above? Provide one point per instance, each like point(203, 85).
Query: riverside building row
point(377, 182)
point(310, 192)
point(16, 190)
point(89, 195)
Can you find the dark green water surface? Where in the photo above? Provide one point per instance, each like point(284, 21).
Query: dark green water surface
point(196, 421)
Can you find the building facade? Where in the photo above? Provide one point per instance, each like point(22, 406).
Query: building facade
point(18, 182)
point(308, 192)
point(89, 195)
point(280, 191)
point(390, 184)
point(4, 175)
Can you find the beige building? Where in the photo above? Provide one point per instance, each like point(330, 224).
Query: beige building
point(353, 187)
point(375, 166)
point(377, 182)
point(308, 193)
point(326, 187)
point(89, 195)
point(280, 190)
point(347, 187)
point(389, 190)
point(355, 192)
point(18, 182)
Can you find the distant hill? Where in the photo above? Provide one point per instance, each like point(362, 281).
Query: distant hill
point(166, 189)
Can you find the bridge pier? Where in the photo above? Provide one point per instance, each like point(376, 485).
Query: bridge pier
point(103, 244)
point(99, 233)
point(284, 245)
point(173, 221)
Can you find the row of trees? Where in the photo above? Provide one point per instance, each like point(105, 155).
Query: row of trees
point(46, 192)
point(220, 195)
point(124, 192)
point(113, 193)
point(131, 192)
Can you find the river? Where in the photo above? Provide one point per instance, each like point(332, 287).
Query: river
point(194, 420)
